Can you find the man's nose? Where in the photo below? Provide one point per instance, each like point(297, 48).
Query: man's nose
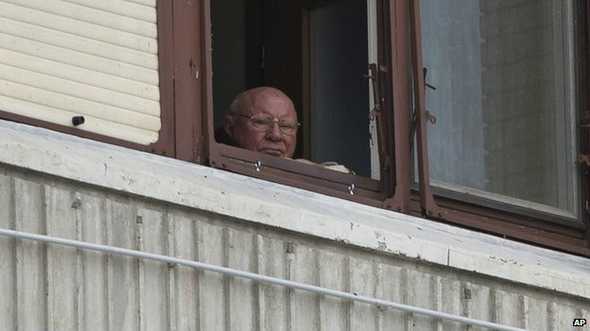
point(275, 132)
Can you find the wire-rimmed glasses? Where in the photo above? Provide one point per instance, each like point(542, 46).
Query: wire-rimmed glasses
point(265, 123)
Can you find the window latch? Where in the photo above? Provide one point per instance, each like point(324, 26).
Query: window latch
point(430, 117)
point(430, 86)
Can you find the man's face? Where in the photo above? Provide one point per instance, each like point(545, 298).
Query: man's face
point(271, 140)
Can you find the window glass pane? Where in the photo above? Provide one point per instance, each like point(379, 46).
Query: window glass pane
point(503, 99)
point(339, 60)
point(318, 53)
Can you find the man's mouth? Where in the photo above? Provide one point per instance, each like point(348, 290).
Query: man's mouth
point(272, 151)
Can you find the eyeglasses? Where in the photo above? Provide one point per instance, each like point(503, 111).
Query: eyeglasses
point(265, 123)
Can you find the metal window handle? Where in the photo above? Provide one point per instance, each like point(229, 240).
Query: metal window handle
point(425, 72)
point(429, 116)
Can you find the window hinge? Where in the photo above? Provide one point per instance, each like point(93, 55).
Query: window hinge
point(584, 159)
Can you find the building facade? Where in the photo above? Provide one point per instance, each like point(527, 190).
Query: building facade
point(142, 172)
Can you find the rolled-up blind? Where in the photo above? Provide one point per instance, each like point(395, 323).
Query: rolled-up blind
point(93, 58)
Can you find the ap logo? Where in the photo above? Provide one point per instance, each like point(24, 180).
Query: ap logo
point(579, 322)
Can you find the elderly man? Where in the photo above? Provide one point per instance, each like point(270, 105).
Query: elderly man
point(262, 119)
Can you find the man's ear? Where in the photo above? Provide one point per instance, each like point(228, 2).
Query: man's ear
point(228, 124)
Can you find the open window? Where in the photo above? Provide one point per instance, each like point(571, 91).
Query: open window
point(331, 58)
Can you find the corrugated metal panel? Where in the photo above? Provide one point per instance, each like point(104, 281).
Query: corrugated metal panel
point(122, 273)
point(63, 283)
point(32, 298)
point(272, 302)
point(92, 301)
point(46, 287)
point(8, 303)
point(213, 289)
point(184, 294)
point(98, 59)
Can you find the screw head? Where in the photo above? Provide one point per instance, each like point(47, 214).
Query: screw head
point(351, 188)
point(258, 165)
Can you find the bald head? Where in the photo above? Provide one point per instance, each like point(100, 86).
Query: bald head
point(254, 106)
point(245, 101)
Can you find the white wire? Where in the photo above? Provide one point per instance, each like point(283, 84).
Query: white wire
point(257, 278)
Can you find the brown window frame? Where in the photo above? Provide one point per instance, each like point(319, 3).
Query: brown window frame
point(179, 59)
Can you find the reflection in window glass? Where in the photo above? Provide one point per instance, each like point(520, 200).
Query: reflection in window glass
point(503, 99)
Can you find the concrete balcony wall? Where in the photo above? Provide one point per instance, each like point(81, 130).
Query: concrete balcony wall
point(45, 189)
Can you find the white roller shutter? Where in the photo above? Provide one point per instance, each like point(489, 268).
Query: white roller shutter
point(91, 58)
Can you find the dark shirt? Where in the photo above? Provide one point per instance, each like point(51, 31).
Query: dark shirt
point(223, 138)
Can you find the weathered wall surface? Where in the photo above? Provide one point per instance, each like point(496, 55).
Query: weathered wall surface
point(47, 287)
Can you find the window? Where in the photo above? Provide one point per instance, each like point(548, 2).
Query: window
point(504, 102)
point(302, 48)
point(502, 81)
point(466, 112)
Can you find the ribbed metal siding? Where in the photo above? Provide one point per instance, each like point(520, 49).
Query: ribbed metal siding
point(55, 288)
point(59, 59)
